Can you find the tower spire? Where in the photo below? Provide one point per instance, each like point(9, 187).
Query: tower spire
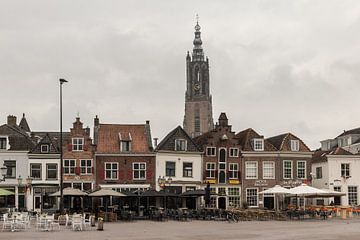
point(198, 54)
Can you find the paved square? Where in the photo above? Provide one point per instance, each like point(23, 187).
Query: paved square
point(210, 230)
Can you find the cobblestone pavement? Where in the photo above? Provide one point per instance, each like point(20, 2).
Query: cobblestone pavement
point(210, 230)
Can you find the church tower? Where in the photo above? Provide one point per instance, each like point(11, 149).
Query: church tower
point(198, 104)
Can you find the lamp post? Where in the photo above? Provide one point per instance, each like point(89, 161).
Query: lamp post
point(162, 183)
point(62, 81)
point(3, 171)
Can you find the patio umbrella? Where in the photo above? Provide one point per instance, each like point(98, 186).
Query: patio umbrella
point(193, 193)
point(306, 191)
point(4, 192)
point(69, 192)
point(276, 190)
point(105, 192)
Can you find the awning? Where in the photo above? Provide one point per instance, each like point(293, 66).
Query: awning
point(4, 192)
point(193, 193)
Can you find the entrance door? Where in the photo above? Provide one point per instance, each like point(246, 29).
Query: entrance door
point(37, 204)
point(222, 202)
point(269, 202)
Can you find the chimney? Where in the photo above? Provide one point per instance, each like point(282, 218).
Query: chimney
point(147, 122)
point(96, 121)
point(11, 120)
point(155, 142)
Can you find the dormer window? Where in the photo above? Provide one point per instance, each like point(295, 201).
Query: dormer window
point(125, 146)
point(180, 145)
point(78, 144)
point(258, 144)
point(294, 145)
point(44, 148)
point(3, 143)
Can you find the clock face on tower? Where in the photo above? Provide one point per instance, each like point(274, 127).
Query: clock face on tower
point(196, 87)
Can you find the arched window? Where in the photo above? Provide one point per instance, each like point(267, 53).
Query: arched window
point(222, 155)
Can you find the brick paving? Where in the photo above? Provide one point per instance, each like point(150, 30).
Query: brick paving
point(211, 230)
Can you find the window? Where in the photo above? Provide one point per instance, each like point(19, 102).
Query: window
point(51, 171)
point(170, 169)
point(345, 169)
point(287, 169)
point(234, 202)
point(35, 170)
point(11, 169)
point(187, 169)
point(258, 144)
point(294, 145)
point(268, 170)
point(352, 195)
point(233, 171)
point(111, 171)
point(125, 146)
point(44, 148)
point(3, 143)
point(233, 152)
point(69, 166)
point(78, 144)
point(180, 145)
point(211, 151)
point(301, 169)
point(318, 172)
point(252, 197)
point(210, 170)
point(197, 124)
point(251, 169)
point(139, 171)
point(85, 166)
point(222, 155)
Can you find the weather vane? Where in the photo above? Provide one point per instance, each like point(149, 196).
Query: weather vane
point(197, 18)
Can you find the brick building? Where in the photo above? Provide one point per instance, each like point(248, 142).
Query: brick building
point(280, 160)
point(125, 160)
point(221, 164)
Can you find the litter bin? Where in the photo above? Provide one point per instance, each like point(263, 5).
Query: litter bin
point(343, 212)
point(100, 224)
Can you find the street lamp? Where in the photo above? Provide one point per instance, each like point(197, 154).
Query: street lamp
point(62, 81)
point(3, 171)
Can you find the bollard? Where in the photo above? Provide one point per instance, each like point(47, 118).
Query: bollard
point(100, 224)
point(92, 220)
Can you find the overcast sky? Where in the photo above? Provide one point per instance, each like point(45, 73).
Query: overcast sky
point(275, 66)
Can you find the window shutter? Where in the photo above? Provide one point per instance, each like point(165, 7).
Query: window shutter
point(77, 170)
point(216, 174)
point(69, 147)
point(101, 174)
point(148, 175)
point(239, 174)
point(85, 147)
point(92, 170)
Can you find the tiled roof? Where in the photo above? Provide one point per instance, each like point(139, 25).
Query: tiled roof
point(108, 140)
point(48, 139)
point(168, 143)
point(351, 131)
point(247, 135)
point(18, 138)
point(321, 156)
point(282, 142)
point(24, 125)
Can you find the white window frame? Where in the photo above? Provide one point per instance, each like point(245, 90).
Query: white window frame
point(187, 170)
point(111, 169)
point(87, 171)
point(44, 145)
point(273, 170)
point(295, 145)
point(211, 169)
point(257, 197)
point(79, 147)
point(69, 167)
point(181, 141)
point(318, 173)
point(297, 169)
point(139, 170)
point(31, 169)
point(47, 171)
point(354, 194)
point(6, 143)
point(349, 170)
point(255, 141)
point(246, 170)
point(232, 150)
point(234, 172)
point(292, 168)
point(121, 146)
point(213, 149)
